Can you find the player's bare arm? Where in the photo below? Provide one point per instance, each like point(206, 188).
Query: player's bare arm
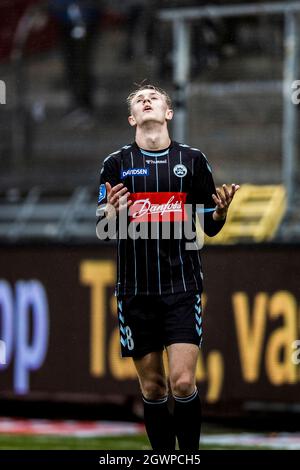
point(223, 200)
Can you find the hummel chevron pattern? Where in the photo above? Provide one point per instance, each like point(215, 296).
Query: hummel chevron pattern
point(198, 315)
point(123, 339)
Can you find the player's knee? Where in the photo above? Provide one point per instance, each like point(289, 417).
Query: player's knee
point(183, 386)
point(154, 389)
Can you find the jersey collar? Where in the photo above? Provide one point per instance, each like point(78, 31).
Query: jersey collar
point(154, 153)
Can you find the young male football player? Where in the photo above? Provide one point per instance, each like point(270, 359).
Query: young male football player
point(159, 281)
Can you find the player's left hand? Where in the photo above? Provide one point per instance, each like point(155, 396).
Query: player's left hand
point(223, 200)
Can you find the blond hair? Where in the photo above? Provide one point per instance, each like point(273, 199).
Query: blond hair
point(148, 87)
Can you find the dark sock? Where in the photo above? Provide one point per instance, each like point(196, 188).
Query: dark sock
point(187, 421)
point(159, 424)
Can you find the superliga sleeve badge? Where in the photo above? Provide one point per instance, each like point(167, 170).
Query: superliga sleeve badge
point(102, 193)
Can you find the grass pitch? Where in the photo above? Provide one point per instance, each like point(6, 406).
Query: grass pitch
point(134, 442)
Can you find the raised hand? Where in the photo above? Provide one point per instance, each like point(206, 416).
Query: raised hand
point(117, 199)
point(223, 200)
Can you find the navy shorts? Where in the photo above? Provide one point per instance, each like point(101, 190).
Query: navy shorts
point(151, 322)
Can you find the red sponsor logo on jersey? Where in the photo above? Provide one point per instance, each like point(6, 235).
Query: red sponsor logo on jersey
point(157, 207)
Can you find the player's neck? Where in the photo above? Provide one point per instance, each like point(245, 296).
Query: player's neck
point(152, 138)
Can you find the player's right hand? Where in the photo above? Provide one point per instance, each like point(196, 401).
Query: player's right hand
point(117, 199)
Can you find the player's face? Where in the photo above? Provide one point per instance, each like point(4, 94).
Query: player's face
point(149, 106)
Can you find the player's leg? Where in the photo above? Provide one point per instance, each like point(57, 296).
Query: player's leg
point(153, 383)
point(140, 327)
point(187, 410)
point(151, 374)
point(183, 337)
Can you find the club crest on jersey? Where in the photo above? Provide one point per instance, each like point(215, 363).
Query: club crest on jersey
point(102, 193)
point(134, 172)
point(180, 170)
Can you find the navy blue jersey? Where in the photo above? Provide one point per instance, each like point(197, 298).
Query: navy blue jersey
point(161, 184)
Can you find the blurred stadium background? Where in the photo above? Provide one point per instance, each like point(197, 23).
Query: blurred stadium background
point(66, 76)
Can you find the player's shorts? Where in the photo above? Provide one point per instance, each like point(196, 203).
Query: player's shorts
point(151, 322)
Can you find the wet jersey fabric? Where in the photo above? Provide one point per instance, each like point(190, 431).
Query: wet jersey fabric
point(161, 184)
